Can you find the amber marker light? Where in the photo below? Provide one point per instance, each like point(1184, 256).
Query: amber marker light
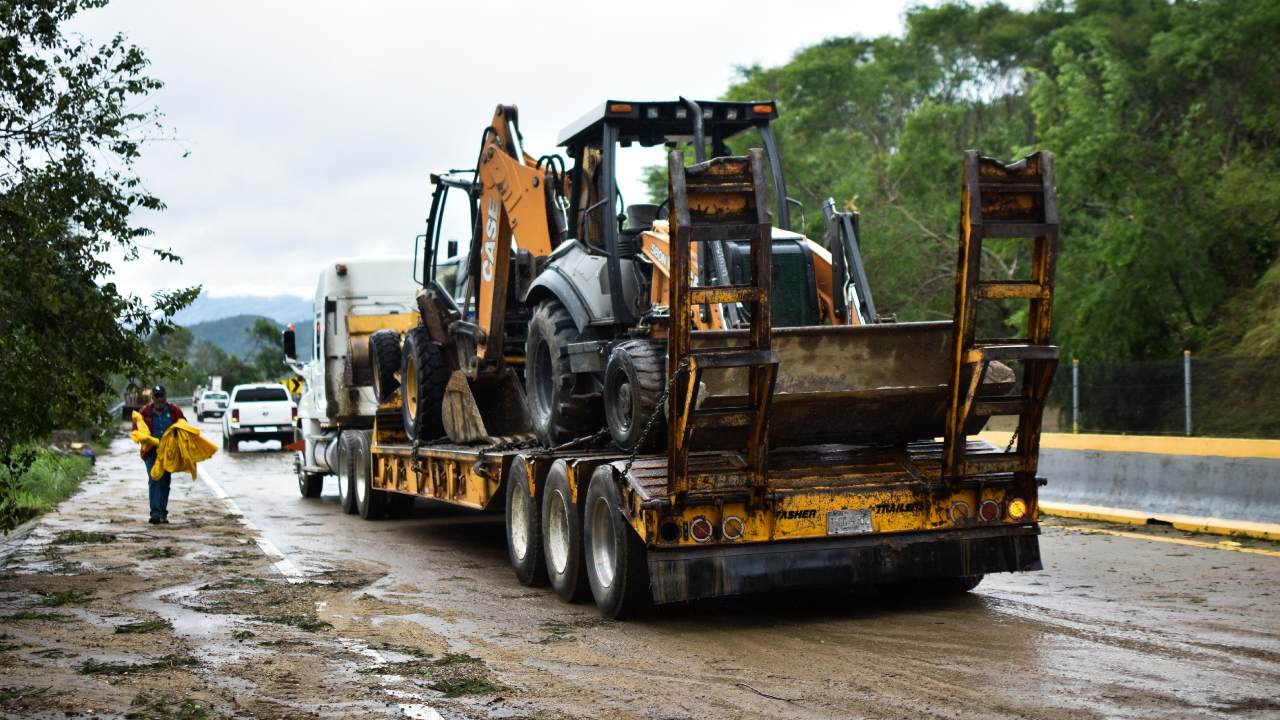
point(620, 107)
point(1017, 509)
point(762, 109)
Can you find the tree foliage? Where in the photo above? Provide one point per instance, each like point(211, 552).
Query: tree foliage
point(70, 133)
point(1166, 126)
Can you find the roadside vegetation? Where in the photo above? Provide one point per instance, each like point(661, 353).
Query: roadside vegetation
point(50, 478)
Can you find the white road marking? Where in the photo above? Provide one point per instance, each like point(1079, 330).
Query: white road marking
point(286, 567)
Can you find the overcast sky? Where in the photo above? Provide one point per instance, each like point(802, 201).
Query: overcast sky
point(311, 126)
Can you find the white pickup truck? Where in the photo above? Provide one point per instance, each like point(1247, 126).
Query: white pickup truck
point(258, 412)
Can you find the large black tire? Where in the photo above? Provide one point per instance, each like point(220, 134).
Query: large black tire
point(562, 535)
point(617, 569)
point(309, 484)
point(633, 381)
point(346, 472)
point(371, 503)
point(524, 529)
point(384, 362)
point(558, 413)
point(424, 375)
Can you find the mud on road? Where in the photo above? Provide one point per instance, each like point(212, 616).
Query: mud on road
point(267, 605)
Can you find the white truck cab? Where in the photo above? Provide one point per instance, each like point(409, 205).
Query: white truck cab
point(354, 298)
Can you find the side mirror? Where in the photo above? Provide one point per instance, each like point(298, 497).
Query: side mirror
point(792, 202)
point(451, 249)
point(289, 340)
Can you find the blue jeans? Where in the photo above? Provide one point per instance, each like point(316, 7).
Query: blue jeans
point(158, 490)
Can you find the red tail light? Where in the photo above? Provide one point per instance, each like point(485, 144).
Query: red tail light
point(294, 413)
point(235, 415)
point(701, 530)
point(989, 510)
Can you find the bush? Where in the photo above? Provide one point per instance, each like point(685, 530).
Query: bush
point(47, 481)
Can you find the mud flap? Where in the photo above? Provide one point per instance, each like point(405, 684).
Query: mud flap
point(845, 564)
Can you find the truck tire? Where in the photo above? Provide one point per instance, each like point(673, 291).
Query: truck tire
point(634, 379)
point(524, 531)
point(424, 375)
point(346, 472)
point(370, 502)
point(557, 413)
point(309, 484)
point(384, 363)
point(614, 555)
point(562, 535)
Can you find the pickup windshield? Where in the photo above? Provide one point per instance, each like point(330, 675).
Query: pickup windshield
point(262, 395)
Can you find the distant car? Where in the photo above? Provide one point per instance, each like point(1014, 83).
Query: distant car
point(211, 404)
point(259, 412)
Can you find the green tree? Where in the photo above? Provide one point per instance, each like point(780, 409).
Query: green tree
point(70, 133)
point(267, 360)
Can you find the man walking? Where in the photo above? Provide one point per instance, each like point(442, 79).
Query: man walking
point(159, 414)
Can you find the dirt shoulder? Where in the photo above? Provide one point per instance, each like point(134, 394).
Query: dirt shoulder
point(104, 615)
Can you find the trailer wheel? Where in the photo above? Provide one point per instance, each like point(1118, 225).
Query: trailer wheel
point(384, 363)
point(557, 413)
point(424, 375)
point(371, 502)
point(633, 382)
point(524, 531)
point(346, 472)
point(562, 535)
point(615, 556)
point(309, 484)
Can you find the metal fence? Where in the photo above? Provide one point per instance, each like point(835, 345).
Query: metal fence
point(1214, 397)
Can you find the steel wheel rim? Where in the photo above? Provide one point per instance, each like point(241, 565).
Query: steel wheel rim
point(410, 381)
point(359, 477)
point(603, 550)
point(519, 530)
point(558, 532)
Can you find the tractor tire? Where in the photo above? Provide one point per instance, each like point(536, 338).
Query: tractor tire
point(346, 472)
point(556, 412)
point(384, 362)
point(617, 569)
point(524, 527)
point(370, 502)
point(424, 375)
point(634, 379)
point(562, 535)
point(309, 484)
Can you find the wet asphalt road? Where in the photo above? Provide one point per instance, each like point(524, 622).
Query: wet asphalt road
point(1114, 626)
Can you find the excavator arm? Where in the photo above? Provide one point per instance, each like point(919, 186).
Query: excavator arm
point(514, 210)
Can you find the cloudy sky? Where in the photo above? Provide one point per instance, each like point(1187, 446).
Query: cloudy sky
point(309, 128)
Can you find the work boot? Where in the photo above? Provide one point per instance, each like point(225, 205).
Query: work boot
point(155, 521)
point(164, 520)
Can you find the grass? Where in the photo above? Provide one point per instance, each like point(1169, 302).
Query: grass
point(158, 553)
point(146, 626)
point(64, 597)
point(241, 635)
point(39, 488)
point(152, 707)
point(12, 694)
point(36, 615)
point(310, 623)
point(457, 688)
point(82, 537)
point(168, 662)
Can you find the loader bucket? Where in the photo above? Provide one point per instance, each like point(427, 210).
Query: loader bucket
point(872, 384)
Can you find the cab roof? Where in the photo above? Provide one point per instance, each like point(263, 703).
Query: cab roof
point(656, 122)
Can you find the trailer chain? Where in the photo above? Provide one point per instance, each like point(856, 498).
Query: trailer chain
point(658, 409)
point(584, 440)
point(1012, 439)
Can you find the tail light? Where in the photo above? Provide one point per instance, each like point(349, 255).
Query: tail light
point(235, 414)
point(1016, 509)
point(700, 530)
point(959, 511)
point(731, 528)
point(989, 511)
point(294, 412)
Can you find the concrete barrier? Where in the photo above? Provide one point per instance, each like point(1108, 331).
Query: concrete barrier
point(1226, 486)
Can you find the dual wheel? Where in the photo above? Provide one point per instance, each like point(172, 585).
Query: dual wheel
point(580, 546)
point(356, 494)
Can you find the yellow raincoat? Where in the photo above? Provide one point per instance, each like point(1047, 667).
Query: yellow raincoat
point(178, 450)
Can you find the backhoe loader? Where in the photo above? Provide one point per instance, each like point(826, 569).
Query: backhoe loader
point(717, 407)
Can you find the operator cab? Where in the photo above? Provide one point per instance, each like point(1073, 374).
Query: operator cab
point(600, 222)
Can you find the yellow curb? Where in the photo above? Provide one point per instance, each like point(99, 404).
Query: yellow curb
point(1220, 545)
point(1188, 523)
point(1154, 444)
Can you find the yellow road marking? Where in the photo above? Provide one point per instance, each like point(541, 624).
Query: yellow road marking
point(1221, 545)
point(1157, 444)
point(1188, 523)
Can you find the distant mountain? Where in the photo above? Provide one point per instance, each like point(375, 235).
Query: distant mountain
point(231, 334)
point(280, 308)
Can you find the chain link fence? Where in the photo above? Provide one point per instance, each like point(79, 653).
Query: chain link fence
point(1210, 397)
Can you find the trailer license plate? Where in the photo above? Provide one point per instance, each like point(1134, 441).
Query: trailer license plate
point(848, 522)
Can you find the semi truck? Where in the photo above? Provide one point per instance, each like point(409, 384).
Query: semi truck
point(701, 402)
point(354, 298)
